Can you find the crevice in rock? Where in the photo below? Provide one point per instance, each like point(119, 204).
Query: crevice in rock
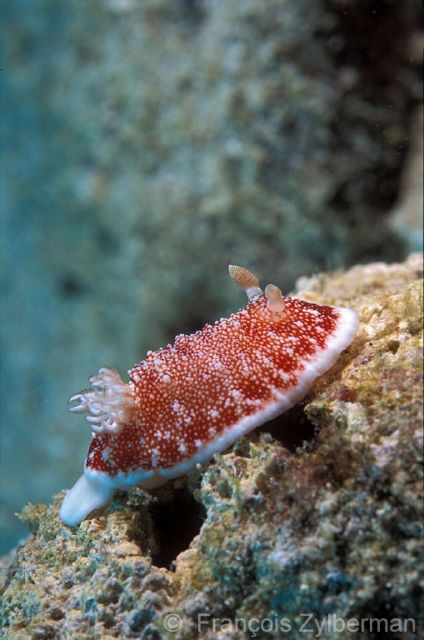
point(175, 522)
point(292, 428)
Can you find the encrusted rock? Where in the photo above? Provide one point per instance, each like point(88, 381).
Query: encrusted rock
point(329, 530)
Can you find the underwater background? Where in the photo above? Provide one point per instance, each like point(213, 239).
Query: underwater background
point(146, 145)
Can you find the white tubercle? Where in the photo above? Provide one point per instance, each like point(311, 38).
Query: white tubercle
point(107, 402)
point(85, 496)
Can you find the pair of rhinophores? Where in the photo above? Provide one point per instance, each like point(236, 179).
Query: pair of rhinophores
point(197, 396)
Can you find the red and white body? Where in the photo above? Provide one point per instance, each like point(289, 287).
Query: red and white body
point(197, 396)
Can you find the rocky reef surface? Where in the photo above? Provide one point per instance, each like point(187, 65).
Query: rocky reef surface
point(312, 519)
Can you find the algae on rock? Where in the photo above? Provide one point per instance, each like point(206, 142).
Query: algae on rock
point(330, 528)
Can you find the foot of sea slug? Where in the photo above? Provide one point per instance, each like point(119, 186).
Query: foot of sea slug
point(85, 496)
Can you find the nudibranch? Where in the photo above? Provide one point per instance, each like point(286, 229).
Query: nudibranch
point(194, 398)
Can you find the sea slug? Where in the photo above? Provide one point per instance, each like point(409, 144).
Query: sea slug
point(196, 397)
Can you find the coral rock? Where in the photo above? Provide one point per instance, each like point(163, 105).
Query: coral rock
point(278, 530)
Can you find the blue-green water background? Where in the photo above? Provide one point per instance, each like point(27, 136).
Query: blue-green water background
point(146, 145)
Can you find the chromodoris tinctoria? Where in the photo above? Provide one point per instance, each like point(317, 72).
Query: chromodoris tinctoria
point(195, 397)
